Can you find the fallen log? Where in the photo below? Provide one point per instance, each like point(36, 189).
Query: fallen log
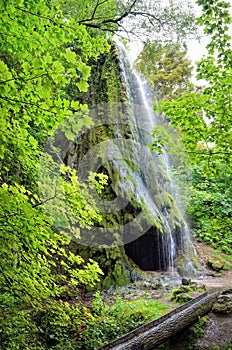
point(155, 332)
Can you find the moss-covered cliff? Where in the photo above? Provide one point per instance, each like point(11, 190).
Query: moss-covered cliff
point(136, 193)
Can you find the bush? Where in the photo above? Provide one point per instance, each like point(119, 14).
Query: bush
point(210, 208)
point(61, 326)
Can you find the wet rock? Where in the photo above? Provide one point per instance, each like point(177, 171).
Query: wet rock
point(223, 309)
point(148, 285)
point(186, 281)
point(216, 263)
point(227, 291)
point(223, 305)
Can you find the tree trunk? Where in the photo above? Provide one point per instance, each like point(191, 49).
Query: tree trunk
point(155, 332)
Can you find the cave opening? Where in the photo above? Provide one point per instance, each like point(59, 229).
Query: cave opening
point(149, 251)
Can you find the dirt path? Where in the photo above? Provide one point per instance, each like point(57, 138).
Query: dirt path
point(218, 330)
point(212, 280)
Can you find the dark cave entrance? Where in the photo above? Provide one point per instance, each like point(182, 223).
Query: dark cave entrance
point(149, 251)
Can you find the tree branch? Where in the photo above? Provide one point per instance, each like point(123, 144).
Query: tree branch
point(34, 105)
point(34, 14)
point(25, 80)
point(96, 7)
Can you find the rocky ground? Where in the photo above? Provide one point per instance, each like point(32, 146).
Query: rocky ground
point(218, 330)
point(213, 280)
point(218, 333)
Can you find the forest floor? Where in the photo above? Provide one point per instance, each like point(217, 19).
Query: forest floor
point(211, 279)
point(218, 329)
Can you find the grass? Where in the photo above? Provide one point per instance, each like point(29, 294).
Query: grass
point(150, 309)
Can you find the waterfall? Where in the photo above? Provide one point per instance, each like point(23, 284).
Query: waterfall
point(138, 207)
point(139, 94)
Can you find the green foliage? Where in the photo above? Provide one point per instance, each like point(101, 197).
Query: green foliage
point(166, 137)
point(198, 328)
point(46, 327)
point(161, 139)
point(68, 202)
point(228, 345)
point(59, 325)
point(151, 17)
point(37, 61)
point(210, 207)
point(167, 69)
point(111, 322)
point(31, 250)
point(96, 16)
point(204, 116)
point(41, 52)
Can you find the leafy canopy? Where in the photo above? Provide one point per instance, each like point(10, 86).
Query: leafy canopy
point(134, 17)
point(205, 116)
point(210, 207)
point(41, 52)
point(166, 67)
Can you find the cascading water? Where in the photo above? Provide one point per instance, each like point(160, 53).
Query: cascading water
point(138, 209)
point(139, 94)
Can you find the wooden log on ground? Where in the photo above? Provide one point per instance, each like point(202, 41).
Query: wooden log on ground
point(154, 333)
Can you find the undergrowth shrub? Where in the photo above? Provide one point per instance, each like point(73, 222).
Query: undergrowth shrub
point(61, 326)
point(210, 208)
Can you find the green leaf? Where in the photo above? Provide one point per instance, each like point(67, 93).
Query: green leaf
point(33, 142)
point(75, 105)
point(70, 56)
point(82, 86)
point(85, 70)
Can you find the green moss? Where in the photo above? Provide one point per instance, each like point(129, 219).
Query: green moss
point(117, 276)
point(107, 89)
point(216, 263)
point(224, 256)
point(182, 294)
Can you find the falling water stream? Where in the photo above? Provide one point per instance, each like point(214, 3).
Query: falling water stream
point(143, 212)
point(139, 94)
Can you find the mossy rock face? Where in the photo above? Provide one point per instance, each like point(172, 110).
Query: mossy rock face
point(112, 260)
point(142, 182)
point(121, 160)
point(216, 263)
point(223, 309)
point(224, 304)
point(184, 293)
point(117, 277)
point(187, 265)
